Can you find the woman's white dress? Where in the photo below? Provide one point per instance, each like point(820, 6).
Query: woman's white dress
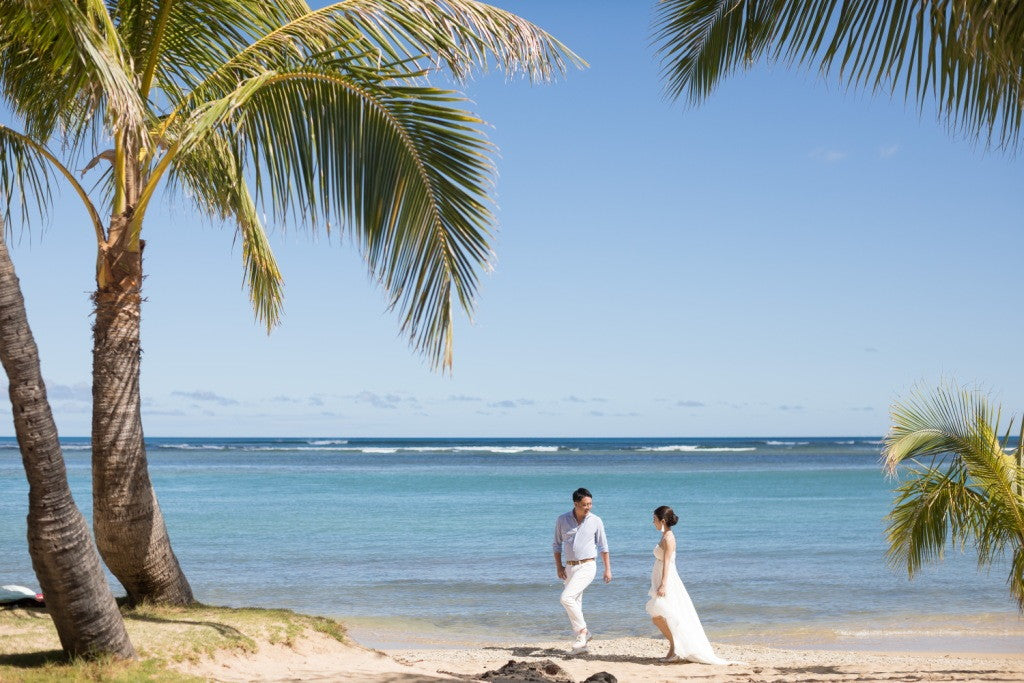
point(677, 609)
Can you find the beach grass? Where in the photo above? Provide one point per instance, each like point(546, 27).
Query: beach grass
point(163, 636)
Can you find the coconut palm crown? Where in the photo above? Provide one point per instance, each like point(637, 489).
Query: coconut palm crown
point(261, 114)
point(960, 483)
point(967, 56)
point(253, 108)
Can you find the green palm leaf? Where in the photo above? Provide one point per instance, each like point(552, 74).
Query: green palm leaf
point(211, 175)
point(462, 34)
point(179, 51)
point(25, 171)
point(401, 167)
point(1016, 580)
point(966, 55)
point(74, 49)
point(934, 504)
point(24, 177)
point(969, 490)
point(378, 35)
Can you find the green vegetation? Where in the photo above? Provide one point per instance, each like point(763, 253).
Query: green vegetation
point(163, 637)
point(966, 56)
point(970, 489)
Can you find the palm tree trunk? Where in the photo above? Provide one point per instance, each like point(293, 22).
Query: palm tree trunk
point(130, 530)
point(77, 594)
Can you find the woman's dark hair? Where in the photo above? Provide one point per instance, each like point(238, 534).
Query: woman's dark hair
point(665, 514)
point(579, 494)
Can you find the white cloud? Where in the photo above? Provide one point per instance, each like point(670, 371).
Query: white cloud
point(829, 156)
point(512, 404)
point(385, 401)
point(82, 391)
point(206, 396)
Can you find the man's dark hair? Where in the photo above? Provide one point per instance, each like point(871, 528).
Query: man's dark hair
point(579, 494)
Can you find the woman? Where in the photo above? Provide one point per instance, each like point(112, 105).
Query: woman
point(670, 607)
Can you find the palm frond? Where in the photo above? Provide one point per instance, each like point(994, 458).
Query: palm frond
point(184, 41)
point(967, 56)
point(968, 492)
point(209, 173)
point(462, 34)
point(74, 50)
point(401, 167)
point(24, 177)
point(1018, 457)
point(262, 276)
point(934, 504)
point(996, 472)
point(1016, 578)
point(25, 172)
point(927, 424)
point(380, 34)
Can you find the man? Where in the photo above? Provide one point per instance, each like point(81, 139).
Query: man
point(579, 537)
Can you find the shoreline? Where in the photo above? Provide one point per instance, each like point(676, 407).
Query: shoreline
point(969, 635)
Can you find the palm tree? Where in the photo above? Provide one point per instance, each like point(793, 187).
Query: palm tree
point(253, 108)
point(65, 560)
point(966, 55)
point(970, 489)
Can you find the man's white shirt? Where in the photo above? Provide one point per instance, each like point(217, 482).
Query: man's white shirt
point(579, 540)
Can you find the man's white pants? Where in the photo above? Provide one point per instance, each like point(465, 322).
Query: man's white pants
point(577, 578)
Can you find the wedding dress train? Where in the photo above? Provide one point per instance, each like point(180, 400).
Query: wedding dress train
point(677, 610)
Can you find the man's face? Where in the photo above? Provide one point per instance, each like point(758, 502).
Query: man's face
point(582, 506)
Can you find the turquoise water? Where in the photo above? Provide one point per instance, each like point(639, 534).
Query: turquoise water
point(780, 541)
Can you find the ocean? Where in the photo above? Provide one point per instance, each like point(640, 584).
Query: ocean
point(781, 541)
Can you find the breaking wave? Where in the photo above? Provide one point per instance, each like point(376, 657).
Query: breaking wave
point(684, 448)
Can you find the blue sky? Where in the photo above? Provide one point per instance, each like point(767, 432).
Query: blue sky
point(786, 259)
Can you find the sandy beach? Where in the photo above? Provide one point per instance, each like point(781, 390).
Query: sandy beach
point(628, 659)
point(234, 645)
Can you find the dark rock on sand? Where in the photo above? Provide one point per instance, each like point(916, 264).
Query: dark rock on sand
point(544, 671)
point(602, 677)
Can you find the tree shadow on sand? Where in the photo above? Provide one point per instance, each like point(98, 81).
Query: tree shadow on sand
point(401, 678)
point(31, 660)
point(527, 651)
point(34, 660)
point(222, 629)
point(822, 670)
point(24, 609)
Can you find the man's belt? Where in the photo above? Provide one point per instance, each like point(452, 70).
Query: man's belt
point(576, 562)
